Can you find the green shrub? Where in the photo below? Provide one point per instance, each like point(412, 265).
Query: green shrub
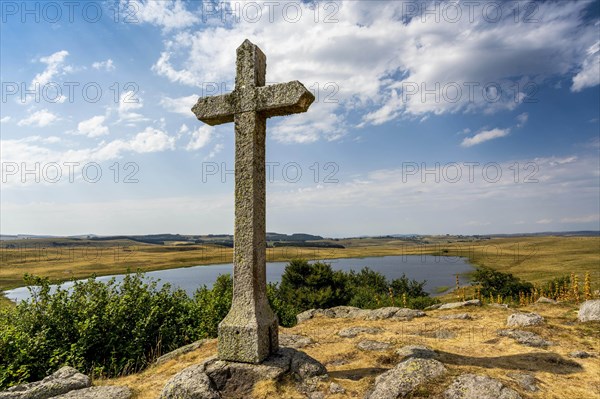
point(497, 283)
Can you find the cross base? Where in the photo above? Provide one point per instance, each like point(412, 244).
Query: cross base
point(248, 338)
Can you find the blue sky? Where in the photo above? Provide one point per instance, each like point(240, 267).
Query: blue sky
point(431, 118)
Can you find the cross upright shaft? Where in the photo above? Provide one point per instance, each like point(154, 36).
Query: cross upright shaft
point(249, 332)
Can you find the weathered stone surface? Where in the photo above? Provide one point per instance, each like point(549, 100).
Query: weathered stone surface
point(405, 377)
point(180, 351)
point(191, 383)
point(369, 345)
point(352, 332)
point(471, 386)
point(454, 305)
point(580, 354)
point(249, 332)
point(525, 381)
point(102, 392)
point(589, 311)
point(458, 316)
point(499, 305)
point(393, 313)
point(346, 312)
point(334, 388)
point(416, 351)
point(62, 381)
point(524, 320)
point(543, 299)
point(434, 307)
point(294, 341)
point(215, 378)
point(443, 333)
point(525, 338)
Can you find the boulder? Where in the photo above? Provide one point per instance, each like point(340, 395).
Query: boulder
point(405, 378)
point(352, 332)
point(416, 351)
point(524, 320)
point(393, 313)
point(336, 388)
point(454, 305)
point(368, 345)
point(62, 381)
point(294, 341)
point(580, 354)
point(471, 386)
point(102, 392)
point(589, 311)
point(351, 312)
point(180, 351)
point(191, 383)
point(525, 338)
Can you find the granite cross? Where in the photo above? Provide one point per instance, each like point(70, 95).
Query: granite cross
point(249, 332)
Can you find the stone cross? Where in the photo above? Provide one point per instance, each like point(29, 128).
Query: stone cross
point(249, 332)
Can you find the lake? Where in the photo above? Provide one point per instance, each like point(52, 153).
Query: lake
point(439, 271)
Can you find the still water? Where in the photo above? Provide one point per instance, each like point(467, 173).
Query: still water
point(438, 271)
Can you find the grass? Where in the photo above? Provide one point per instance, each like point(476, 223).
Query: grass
point(535, 259)
point(475, 349)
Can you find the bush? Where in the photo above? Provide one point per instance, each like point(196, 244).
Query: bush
point(497, 283)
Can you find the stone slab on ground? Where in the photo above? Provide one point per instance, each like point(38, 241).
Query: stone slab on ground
point(405, 378)
point(62, 381)
point(471, 386)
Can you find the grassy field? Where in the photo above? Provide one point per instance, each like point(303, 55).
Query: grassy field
point(474, 347)
point(535, 259)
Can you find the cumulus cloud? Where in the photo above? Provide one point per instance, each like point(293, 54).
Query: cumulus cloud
point(54, 66)
point(92, 127)
point(167, 14)
point(39, 118)
point(199, 137)
point(440, 66)
point(129, 101)
point(107, 65)
point(180, 105)
point(5, 119)
point(522, 119)
point(484, 136)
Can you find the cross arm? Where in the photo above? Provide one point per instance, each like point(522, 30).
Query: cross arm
point(215, 110)
point(283, 99)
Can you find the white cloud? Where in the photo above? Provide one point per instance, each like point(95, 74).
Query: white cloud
point(200, 137)
point(522, 119)
point(107, 65)
point(581, 219)
point(544, 221)
point(5, 119)
point(151, 140)
point(589, 76)
point(489, 62)
point(93, 127)
point(39, 118)
point(168, 14)
point(215, 151)
point(180, 105)
point(130, 101)
point(54, 66)
point(484, 136)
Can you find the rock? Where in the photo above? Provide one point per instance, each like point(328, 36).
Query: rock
point(352, 332)
point(543, 299)
point(416, 351)
point(525, 338)
point(369, 345)
point(294, 341)
point(589, 311)
point(525, 381)
point(580, 354)
point(524, 320)
point(180, 351)
point(347, 312)
point(305, 366)
point(454, 305)
point(405, 377)
point(433, 307)
point(471, 386)
point(191, 383)
point(101, 392)
point(443, 334)
point(458, 316)
point(499, 305)
point(336, 388)
point(393, 312)
point(215, 378)
point(62, 381)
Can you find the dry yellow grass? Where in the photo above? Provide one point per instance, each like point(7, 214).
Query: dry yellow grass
point(475, 349)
